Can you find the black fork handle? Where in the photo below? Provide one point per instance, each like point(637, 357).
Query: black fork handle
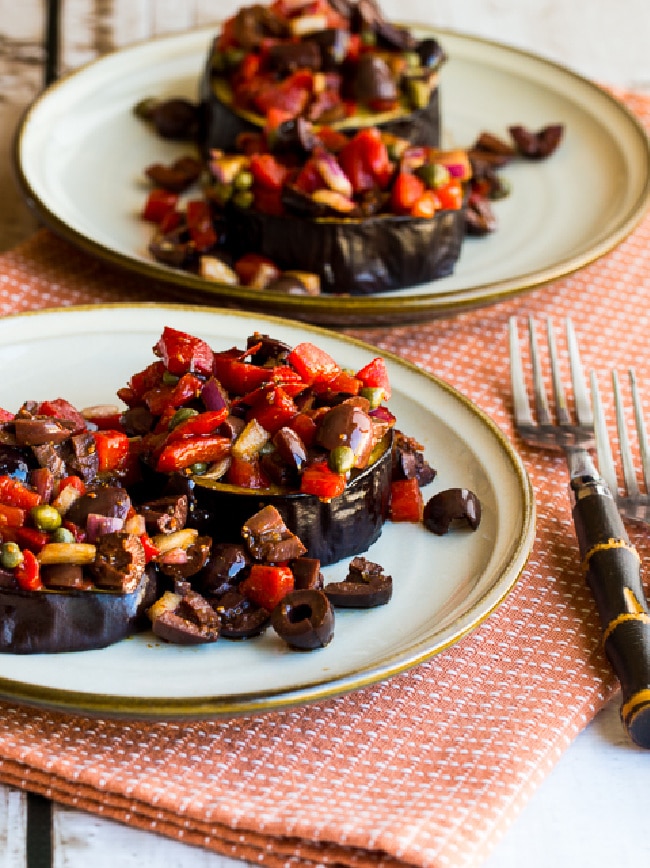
point(613, 572)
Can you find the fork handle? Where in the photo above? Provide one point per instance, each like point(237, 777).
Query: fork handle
point(613, 572)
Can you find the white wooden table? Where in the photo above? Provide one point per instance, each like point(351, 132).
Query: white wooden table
point(592, 809)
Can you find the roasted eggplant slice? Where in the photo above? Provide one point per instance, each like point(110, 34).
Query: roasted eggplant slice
point(221, 124)
point(329, 529)
point(45, 622)
point(353, 256)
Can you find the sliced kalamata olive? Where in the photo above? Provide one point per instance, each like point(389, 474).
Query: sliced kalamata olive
point(307, 575)
point(374, 80)
point(290, 447)
point(171, 248)
point(409, 461)
point(480, 219)
point(285, 58)
point(225, 568)
point(137, 420)
point(430, 53)
point(267, 349)
point(165, 514)
point(333, 43)
point(240, 618)
point(64, 577)
point(15, 462)
point(365, 587)
point(175, 119)
point(347, 424)
point(452, 505)
point(184, 618)
point(109, 500)
point(304, 619)
point(81, 456)
point(119, 562)
point(269, 539)
point(39, 430)
point(197, 557)
point(537, 145)
point(177, 176)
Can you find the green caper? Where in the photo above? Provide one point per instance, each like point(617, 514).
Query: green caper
point(62, 535)
point(341, 459)
point(10, 555)
point(233, 56)
point(368, 37)
point(412, 59)
point(219, 193)
point(434, 175)
point(45, 517)
point(169, 379)
point(198, 468)
point(181, 415)
point(373, 394)
point(243, 180)
point(243, 199)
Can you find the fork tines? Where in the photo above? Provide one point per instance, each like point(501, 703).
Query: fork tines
point(551, 429)
point(633, 502)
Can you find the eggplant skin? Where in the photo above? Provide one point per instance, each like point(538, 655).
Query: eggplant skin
point(355, 257)
point(331, 530)
point(47, 622)
point(220, 124)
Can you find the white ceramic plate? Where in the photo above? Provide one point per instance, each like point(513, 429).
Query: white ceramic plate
point(443, 589)
point(80, 155)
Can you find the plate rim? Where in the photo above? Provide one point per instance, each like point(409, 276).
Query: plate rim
point(213, 707)
point(339, 310)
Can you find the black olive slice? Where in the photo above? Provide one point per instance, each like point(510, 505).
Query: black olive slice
point(365, 587)
point(452, 505)
point(304, 619)
point(240, 618)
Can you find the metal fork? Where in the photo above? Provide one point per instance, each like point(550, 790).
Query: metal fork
point(612, 564)
point(633, 502)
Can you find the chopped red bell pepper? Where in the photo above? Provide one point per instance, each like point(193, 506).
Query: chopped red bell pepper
point(28, 573)
point(200, 224)
point(30, 538)
point(266, 585)
point(407, 190)
point(184, 354)
point(6, 415)
point(11, 516)
point(159, 204)
point(274, 409)
point(59, 408)
point(75, 481)
point(406, 501)
point(184, 453)
point(451, 195)
point(200, 425)
point(305, 428)
point(319, 480)
point(427, 205)
point(112, 449)
point(161, 398)
point(365, 160)
point(246, 473)
point(151, 551)
point(341, 383)
point(312, 363)
point(237, 376)
point(267, 171)
point(374, 375)
point(142, 382)
point(13, 492)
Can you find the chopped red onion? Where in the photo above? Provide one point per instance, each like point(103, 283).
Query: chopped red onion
point(213, 395)
point(98, 525)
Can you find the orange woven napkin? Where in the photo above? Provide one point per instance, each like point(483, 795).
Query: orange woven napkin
point(430, 767)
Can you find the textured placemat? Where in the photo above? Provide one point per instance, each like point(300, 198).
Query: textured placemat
point(430, 767)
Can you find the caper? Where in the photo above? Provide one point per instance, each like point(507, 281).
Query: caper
point(198, 468)
point(373, 394)
point(243, 180)
point(434, 175)
point(341, 459)
point(45, 517)
point(419, 92)
point(10, 555)
point(243, 199)
point(233, 56)
point(62, 535)
point(412, 59)
point(181, 415)
point(169, 379)
point(219, 193)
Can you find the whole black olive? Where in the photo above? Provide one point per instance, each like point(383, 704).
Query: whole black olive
point(304, 619)
point(430, 53)
point(175, 119)
point(453, 504)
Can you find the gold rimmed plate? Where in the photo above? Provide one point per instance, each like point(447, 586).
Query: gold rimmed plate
point(86, 354)
point(80, 155)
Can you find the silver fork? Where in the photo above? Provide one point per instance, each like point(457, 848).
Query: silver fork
point(633, 502)
point(612, 564)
